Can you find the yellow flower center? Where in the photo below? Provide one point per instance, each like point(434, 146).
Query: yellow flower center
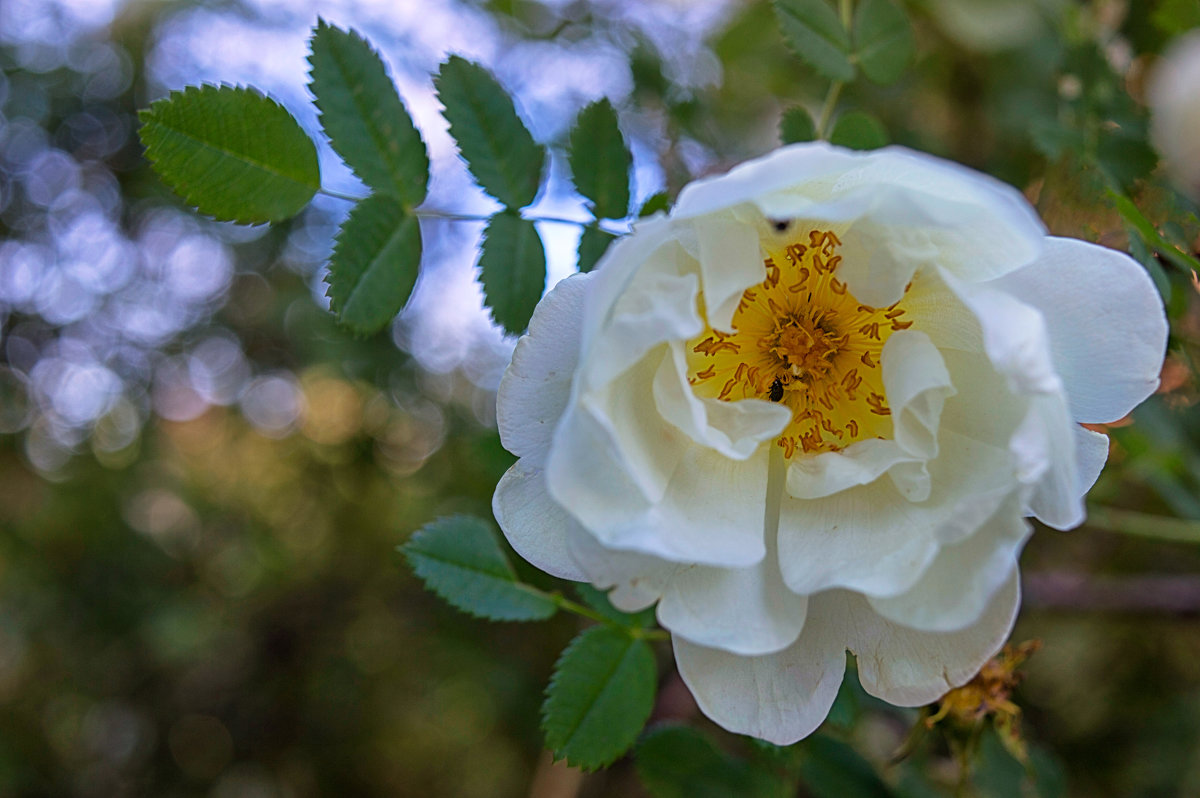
point(800, 338)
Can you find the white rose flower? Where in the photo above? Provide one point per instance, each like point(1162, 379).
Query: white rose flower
point(810, 411)
point(1174, 98)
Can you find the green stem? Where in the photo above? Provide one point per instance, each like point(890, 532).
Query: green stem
point(430, 213)
point(846, 11)
point(835, 89)
point(584, 611)
point(338, 195)
point(1144, 525)
point(474, 217)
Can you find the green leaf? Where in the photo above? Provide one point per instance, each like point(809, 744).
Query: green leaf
point(459, 559)
point(1048, 776)
point(1052, 138)
point(832, 769)
point(1153, 239)
point(680, 762)
point(1176, 16)
point(599, 698)
point(796, 126)
point(233, 153)
point(593, 243)
point(997, 774)
point(883, 40)
point(655, 203)
point(364, 117)
point(498, 148)
point(845, 709)
point(374, 264)
point(600, 160)
point(858, 130)
point(1125, 159)
point(1135, 218)
point(815, 34)
point(512, 269)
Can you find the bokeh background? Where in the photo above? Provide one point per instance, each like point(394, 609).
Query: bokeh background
point(203, 480)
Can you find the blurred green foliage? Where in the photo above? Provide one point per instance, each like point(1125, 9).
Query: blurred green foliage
point(211, 606)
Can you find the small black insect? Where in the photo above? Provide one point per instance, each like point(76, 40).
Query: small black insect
point(776, 390)
point(781, 225)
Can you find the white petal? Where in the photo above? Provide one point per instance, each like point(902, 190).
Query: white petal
point(1044, 449)
point(971, 224)
point(614, 447)
point(898, 211)
point(734, 429)
point(910, 668)
point(866, 538)
point(861, 463)
point(636, 483)
point(1105, 322)
point(730, 262)
point(745, 611)
point(984, 408)
point(653, 242)
point(781, 697)
point(873, 540)
point(1014, 336)
point(636, 580)
point(536, 527)
point(797, 166)
point(660, 306)
point(917, 386)
point(1091, 452)
point(537, 384)
point(961, 581)
point(939, 313)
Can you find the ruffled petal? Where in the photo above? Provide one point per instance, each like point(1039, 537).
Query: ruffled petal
point(873, 540)
point(910, 668)
point(537, 384)
point(1016, 340)
point(636, 483)
point(781, 697)
point(1014, 336)
point(1105, 324)
point(1044, 449)
point(612, 452)
point(746, 611)
point(787, 169)
point(660, 307)
point(1091, 452)
point(866, 538)
point(827, 473)
point(917, 385)
point(636, 580)
point(730, 262)
point(735, 429)
point(536, 527)
point(651, 245)
point(961, 581)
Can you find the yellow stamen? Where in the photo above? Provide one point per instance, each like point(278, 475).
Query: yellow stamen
point(802, 339)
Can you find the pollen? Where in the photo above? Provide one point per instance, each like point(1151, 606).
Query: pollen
point(801, 339)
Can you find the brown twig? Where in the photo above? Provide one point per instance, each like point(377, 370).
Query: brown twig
point(1155, 594)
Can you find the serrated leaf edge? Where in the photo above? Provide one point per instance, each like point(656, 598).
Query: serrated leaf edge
point(145, 117)
point(354, 34)
point(554, 678)
point(410, 556)
point(497, 157)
